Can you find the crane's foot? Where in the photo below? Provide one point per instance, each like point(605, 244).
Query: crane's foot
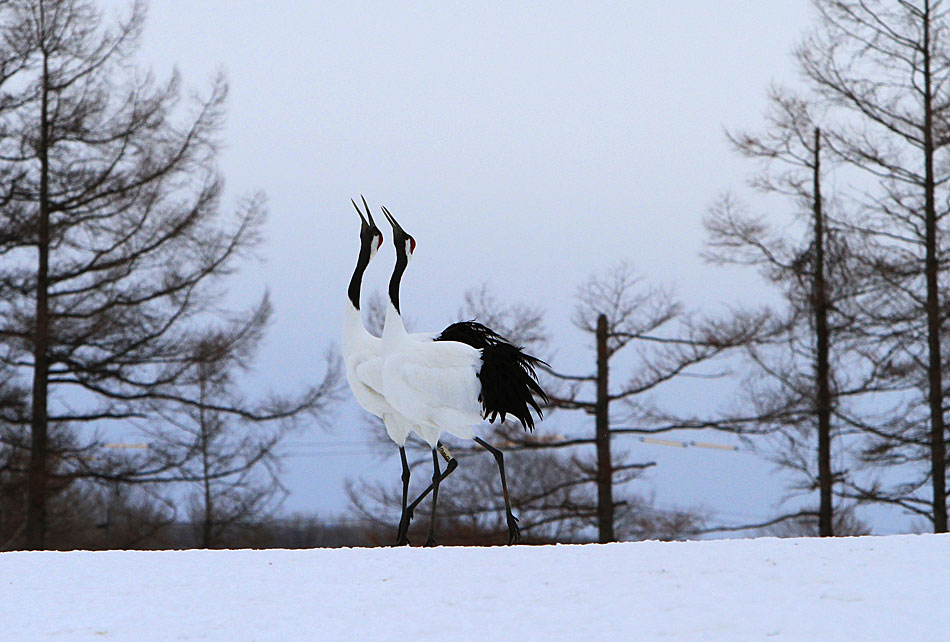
point(514, 533)
point(430, 541)
point(402, 534)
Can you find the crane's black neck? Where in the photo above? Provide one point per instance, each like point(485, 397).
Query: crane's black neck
point(357, 280)
point(402, 261)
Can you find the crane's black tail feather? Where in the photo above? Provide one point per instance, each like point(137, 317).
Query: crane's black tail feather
point(508, 377)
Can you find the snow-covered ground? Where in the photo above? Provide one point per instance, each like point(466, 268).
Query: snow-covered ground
point(871, 588)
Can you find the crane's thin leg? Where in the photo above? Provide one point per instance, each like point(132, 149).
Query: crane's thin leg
point(452, 464)
point(436, 478)
point(402, 534)
point(514, 533)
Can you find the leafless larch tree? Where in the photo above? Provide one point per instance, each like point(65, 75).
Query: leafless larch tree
point(113, 240)
point(816, 368)
point(881, 71)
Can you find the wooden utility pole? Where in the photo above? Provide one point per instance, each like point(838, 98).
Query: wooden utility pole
point(605, 499)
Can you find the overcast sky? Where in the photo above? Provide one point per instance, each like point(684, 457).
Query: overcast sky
point(525, 145)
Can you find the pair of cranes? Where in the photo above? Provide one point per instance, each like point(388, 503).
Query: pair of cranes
point(434, 383)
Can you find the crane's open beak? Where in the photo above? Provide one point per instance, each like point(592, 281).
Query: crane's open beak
point(369, 214)
point(367, 226)
point(362, 218)
point(399, 234)
point(392, 221)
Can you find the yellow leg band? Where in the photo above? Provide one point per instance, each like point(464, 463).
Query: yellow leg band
point(446, 455)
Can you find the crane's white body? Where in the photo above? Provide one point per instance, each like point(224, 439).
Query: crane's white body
point(360, 347)
point(437, 385)
point(432, 384)
point(362, 358)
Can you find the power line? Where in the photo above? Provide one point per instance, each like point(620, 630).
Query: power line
point(354, 448)
point(692, 443)
point(325, 453)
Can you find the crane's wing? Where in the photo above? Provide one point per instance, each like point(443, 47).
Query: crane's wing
point(368, 368)
point(434, 383)
point(364, 372)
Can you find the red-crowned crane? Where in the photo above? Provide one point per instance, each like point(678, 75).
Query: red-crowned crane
point(361, 352)
point(468, 374)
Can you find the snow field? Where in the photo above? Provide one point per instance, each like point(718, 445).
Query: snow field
point(870, 588)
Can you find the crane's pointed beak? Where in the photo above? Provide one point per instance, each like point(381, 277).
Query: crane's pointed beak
point(392, 221)
point(369, 214)
point(362, 218)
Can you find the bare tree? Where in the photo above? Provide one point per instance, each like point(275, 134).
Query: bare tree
point(882, 70)
point(224, 445)
point(618, 311)
point(113, 238)
point(14, 484)
point(818, 361)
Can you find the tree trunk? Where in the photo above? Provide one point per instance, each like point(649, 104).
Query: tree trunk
point(208, 521)
point(605, 500)
point(38, 476)
point(938, 455)
point(822, 341)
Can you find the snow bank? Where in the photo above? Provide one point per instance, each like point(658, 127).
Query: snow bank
point(868, 588)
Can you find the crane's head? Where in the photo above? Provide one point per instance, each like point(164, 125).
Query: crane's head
point(401, 239)
point(370, 235)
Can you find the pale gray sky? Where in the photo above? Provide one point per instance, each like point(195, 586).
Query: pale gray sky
point(523, 144)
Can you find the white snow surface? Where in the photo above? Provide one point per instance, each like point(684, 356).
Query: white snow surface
point(867, 588)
